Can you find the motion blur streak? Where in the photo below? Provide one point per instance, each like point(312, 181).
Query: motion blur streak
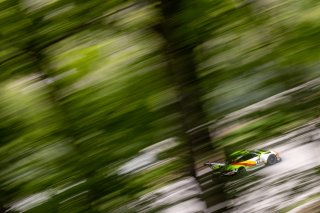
point(114, 106)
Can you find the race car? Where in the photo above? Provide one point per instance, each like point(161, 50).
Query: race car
point(241, 162)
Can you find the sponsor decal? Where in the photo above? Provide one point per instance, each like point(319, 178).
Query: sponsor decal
point(245, 163)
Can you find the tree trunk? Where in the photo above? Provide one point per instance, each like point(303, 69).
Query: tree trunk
point(182, 71)
point(183, 74)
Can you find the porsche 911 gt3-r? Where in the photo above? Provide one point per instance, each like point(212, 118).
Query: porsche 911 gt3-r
point(241, 162)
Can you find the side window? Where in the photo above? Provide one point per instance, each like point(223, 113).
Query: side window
point(248, 157)
point(252, 155)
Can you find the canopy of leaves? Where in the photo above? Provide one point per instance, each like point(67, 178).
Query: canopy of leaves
point(84, 88)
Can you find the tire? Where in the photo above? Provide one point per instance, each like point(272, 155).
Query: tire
point(272, 159)
point(242, 172)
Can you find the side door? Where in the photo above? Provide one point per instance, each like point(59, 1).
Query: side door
point(255, 157)
point(250, 161)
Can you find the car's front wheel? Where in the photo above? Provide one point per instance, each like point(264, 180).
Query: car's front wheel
point(272, 159)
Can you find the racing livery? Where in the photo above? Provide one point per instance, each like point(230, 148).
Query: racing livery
point(241, 162)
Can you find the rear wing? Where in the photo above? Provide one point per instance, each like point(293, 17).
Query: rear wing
point(210, 164)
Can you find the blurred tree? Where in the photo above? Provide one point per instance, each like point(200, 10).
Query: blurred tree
point(180, 42)
point(183, 32)
point(84, 88)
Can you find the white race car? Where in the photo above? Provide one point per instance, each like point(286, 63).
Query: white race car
point(241, 162)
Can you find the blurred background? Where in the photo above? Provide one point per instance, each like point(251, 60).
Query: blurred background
point(113, 106)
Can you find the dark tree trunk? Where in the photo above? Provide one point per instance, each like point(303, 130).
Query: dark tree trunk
point(183, 74)
point(179, 47)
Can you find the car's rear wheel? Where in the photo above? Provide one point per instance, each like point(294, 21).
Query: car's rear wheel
point(272, 159)
point(241, 172)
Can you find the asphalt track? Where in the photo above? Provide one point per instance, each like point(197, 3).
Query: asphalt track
point(270, 189)
point(277, 187)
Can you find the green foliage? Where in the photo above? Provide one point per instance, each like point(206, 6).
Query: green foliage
point(85, 87)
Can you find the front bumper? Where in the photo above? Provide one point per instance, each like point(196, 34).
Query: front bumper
point(276, 154)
